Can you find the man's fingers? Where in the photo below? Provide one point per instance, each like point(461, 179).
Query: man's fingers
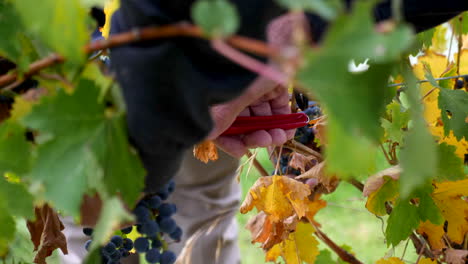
point(261, 109)
point(278, 136)
point(232, 145)
point(256, 139)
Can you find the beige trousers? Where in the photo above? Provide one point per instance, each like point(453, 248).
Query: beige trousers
point(207, 198)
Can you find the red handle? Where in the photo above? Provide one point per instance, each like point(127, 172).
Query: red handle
point(247, 124)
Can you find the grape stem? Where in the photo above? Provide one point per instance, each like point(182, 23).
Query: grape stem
point(137, 35)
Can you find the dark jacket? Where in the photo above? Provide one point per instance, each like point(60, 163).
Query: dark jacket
point(169, 84)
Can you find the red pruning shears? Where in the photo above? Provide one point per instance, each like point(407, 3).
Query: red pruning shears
point(247, 124)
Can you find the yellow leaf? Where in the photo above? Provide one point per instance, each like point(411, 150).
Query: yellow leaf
point(392, 260)
point(205, 151)
point(448, 196)
point(427, 261)
point(278, 196)
point(433, 233)
point(438, 64)
point(301, 246)
point(109, 8)
point(439, 41)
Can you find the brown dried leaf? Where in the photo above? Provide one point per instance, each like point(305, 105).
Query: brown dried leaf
point(456, 256)
point(433, 234)
point(299, 162)
point(320, 128)
point(326, 183)
point(205, 151)
point(46, 233)
point(377, 180)
point(90, 209)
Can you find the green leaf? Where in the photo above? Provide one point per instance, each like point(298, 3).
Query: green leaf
point(387, 192)
point(402, 221)
point(348, 153)
point(460, 24)
point(418, 159)
point(425, 38)
point(15, 151)
point(398, 121)
point(355, 99)
point(327, 9)
point(61, 24)
point(89, 143)
point(450, 166)
point(112, 214)
point(18, 201)
point(418, 169)
point(453, 105)
point(325, 257)
point(216, 17)
point(18, 47)
point(21, 248)
point(427, 209)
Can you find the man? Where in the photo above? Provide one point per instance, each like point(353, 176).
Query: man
point(170, 108)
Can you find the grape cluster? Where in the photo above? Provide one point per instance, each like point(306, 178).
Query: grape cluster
point(461, 83)
point(153, 220)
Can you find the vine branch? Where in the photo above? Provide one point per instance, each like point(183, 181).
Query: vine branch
point(342, 253)
point(142, 34)
point(257, 165)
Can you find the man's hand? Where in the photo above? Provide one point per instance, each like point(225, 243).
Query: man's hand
point(262, 98)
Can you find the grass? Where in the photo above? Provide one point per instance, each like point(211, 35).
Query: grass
point(345, 220)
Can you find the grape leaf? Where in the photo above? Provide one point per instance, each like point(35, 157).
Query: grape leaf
point(454, 110)
point(279, 197)
point(360, 151)
point(433, 233)
point(324, 257)
point(397, 122)
point(46, 233)
point(406, 215)
point(61, 24)
point(301, 246)
point(456, 256)
point(15, 151)
point(450, 166)
point(89, 143)
point(19, 47)
point(327, 9)
point(326, 74)
point(19, 202)
point(392, 260)
point(216, 17)
point(388, 192)
point(21, 248)
point(403, 219)
point(425, 38)
point(448, 197)
point(7, 228)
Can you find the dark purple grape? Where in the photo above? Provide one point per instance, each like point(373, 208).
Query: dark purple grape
point(87, 244)
point(116, 255)
point(167, 225)
point(88, 231)
point(150, 228)
point(156, 243)
point(154, 202)
point(177, 234)
point(163, 194)
point(127, 230)
point(141, 244)
point(142, 214)
point(124, 252)
point(459, 84)
point(166, 209)
point(110, 248)
point(117, 240)
point(168, 257)
point(153, 255)
point(127, 244)
point(171, 186)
